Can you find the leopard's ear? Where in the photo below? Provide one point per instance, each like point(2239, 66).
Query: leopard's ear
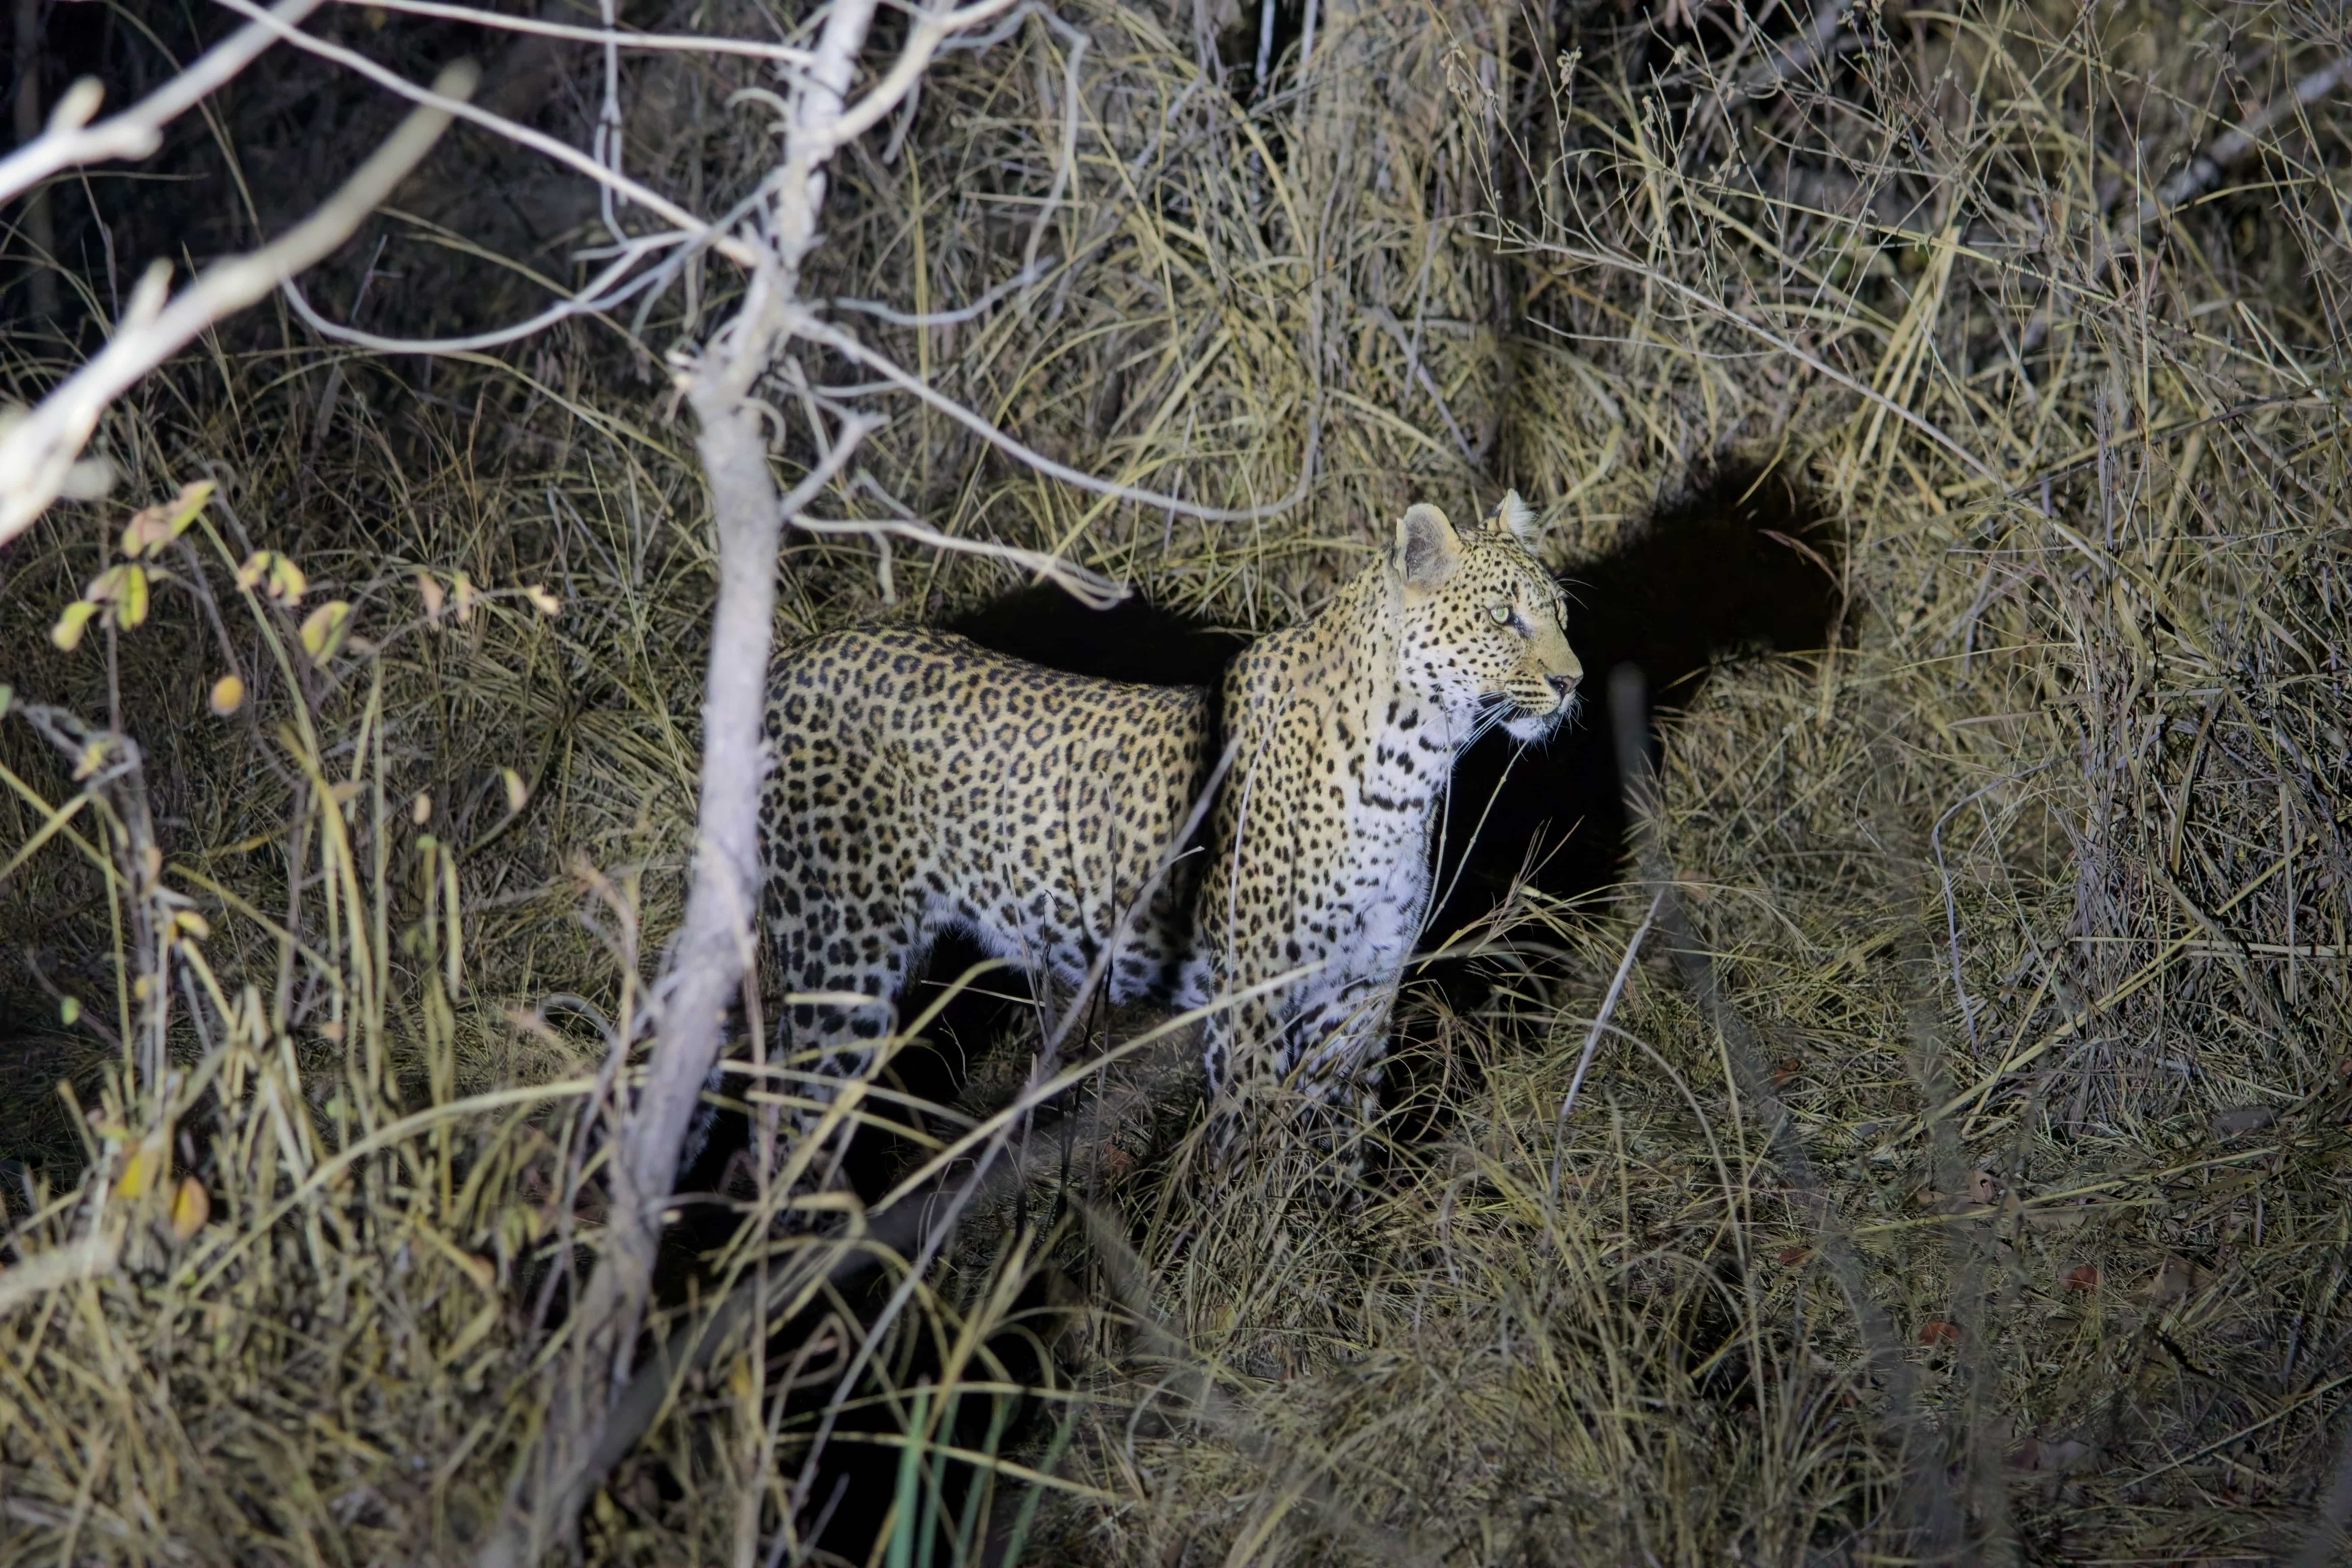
point(1515, 517)
point(1427, 548)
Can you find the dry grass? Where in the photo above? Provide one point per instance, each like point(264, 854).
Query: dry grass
point(1992, 1208)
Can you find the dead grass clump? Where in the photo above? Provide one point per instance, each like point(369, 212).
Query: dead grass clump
point(2000, 887)
point(1981, 1198)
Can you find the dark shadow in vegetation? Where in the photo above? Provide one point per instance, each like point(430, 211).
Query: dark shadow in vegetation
point(857, 1480)
point(38, 1138)
point(1739, 560)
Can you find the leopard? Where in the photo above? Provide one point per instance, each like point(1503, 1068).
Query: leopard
point(1262, 854)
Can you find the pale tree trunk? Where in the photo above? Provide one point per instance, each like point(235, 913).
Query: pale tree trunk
point(714, 946)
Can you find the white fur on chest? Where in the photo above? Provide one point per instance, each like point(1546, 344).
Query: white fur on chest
point(1383, 884)
point(1389, 911)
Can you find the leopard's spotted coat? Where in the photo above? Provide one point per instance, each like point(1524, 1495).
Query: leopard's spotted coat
point(920, 784)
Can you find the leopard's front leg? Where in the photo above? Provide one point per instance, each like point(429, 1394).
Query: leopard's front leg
point(1337, 1046)
point(1232, 1041)
point(1293, 1035)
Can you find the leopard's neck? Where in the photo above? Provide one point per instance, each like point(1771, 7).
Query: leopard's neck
point(1337, 767)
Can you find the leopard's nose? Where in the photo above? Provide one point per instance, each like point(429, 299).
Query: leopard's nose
point(1563, 685)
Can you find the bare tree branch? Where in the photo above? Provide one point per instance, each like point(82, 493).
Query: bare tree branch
point(71, 141)
point(653, 201)
point(37, 450)
point(714, 947)
point(2233, 144)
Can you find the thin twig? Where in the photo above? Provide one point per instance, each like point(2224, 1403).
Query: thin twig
point(1089, 588)
point(1600, 1026)
point(1022, 280)
point(683, 43)
point(805, 325)
point(606, 290)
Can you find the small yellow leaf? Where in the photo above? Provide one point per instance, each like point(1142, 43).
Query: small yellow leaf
point(545, 602)
point(151, 528)
point(7, 696)
point(67, 633)
point(145, 532)
point(191, 1207)
point(287, 584)
point(466, 596)
point(323, 629)
point(69, 1010)
point(189, 503)
point(92, 758)
point(429, 589)
point(256, 566)
point(331, 1031)
point(516, 792)
point(228, 695)
point(420, 810)
point(149, 1164)
point(130, 606)
point(187, 923)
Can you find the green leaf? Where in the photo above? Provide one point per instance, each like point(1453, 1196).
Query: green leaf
point(67, 633)
point(323, 629)
point(131, 603)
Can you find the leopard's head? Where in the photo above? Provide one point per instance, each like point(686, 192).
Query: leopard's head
point(1486, 632)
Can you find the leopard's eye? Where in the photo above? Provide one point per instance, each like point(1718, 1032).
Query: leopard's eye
point(1499, 614)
